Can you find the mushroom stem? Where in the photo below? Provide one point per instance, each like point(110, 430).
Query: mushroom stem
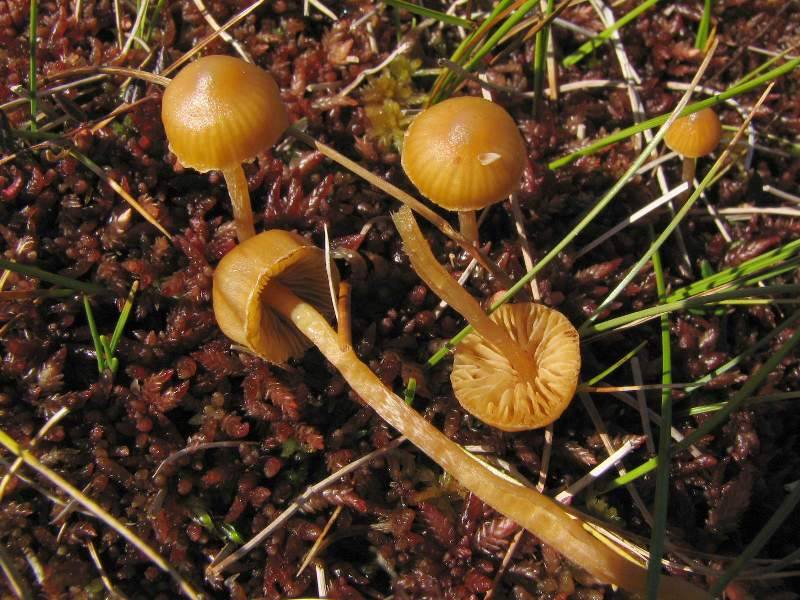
point(468, 224)
point(395, 192)
point(240, 198)
point(689, 169)
point(442, 284)
point(537, 513)
point(343, 316)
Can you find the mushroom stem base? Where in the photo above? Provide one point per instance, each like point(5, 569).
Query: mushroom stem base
point(689, 170)
point(468, 224)
point(537, 513)
point(240, 198)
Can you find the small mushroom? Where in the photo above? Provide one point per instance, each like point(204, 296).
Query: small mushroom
point(693, 136)
point(276, 281)
point(519, 368)
point(219, 112)
point(464, 154)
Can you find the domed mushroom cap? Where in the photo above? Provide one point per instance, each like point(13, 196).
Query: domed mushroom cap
point(489, 387)
point(464, 153)
point(694, 135)
point(221, 111)
point(241, 291)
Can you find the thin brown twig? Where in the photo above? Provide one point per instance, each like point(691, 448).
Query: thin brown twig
point(235, 19)
point(217, 566)
point(318, 542)
point(100, 513)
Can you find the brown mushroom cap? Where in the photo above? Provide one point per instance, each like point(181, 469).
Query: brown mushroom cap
point(464, 153)
point(221, 111)
point(241, 285)
point(488, 386)
point(694, 135)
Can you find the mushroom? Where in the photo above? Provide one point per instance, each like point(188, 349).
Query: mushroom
point(519, 368)
point(693, 136)
point(464, 154)
point(219, 112)
point(276, 281)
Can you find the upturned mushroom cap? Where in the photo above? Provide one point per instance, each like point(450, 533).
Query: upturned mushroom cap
point(694, 135)
point(464, 153)
point(241, 292)
point(489, 387)
point(220, 111)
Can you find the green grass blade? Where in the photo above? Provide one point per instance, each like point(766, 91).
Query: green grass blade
point(98, 345)
point(767, 63)
point(410, 391)
point(540, 54)
point(719, 417)
point(123, 318)
point(662, 475)
point(762, 537)
point(705, 26)
point(59, 280)
point(659, 120)
point(33, 19)
point(709, 408)
point(598, 40)
point(615, 366)
point(430, 13)
point(694, 302)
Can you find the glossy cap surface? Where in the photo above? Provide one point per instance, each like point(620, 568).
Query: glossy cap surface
point(695, 135)
point(464, 153)
point(241, 291)
point(221, 111)
point(489, 387)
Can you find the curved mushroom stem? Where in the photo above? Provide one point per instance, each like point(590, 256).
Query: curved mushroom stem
point(689, 169)
point(442, 284)
point(468, 224)
point(240, 198)
point(537, 513)
point(407, 199)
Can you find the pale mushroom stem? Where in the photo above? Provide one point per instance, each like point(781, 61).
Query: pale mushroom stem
point(406, 199)
point(468, 224)
point(689, 169)
point(532, 510)
point(442, 284)
point(240, 198)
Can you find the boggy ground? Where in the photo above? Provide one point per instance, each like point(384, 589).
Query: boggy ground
point(258, 435)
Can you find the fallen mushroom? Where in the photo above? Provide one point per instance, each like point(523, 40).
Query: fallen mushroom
point(276, 281)
point(219, 112)
point(464, 154)
point(519, 368)
point(693, 136)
